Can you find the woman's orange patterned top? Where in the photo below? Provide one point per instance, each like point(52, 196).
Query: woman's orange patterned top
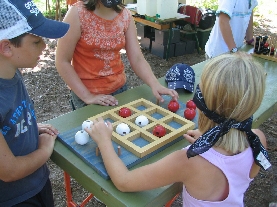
point(96, 58)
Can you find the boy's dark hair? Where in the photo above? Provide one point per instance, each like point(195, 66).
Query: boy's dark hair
point(16, 41)
point(91, 4)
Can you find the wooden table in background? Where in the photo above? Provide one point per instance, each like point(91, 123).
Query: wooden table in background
point(162, 25)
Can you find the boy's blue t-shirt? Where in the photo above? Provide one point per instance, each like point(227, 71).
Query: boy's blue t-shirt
point(19, 128)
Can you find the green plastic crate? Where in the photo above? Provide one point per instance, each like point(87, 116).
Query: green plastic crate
point(202, 35)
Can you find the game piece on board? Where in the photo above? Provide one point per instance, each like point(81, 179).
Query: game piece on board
point(141, 121)
point(118, 150)
point(125, 112)
point(87, 124)
point(81, 137)
point(123, 129)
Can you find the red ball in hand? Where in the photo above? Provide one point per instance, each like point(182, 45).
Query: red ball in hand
point(125, 112)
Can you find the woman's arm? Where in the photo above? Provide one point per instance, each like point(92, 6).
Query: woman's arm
point(141, 67)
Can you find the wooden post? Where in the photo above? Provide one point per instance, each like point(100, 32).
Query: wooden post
point(118, 150)
point(97, 151)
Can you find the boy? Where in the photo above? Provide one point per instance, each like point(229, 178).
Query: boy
point(25, 146)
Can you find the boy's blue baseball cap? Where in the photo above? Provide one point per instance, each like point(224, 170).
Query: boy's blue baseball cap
point(22, 16)
point(180, 75)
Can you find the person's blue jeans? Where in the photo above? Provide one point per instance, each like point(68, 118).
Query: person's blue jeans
point(77, 103)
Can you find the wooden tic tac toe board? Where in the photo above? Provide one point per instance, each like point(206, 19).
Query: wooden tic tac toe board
point(140, 143)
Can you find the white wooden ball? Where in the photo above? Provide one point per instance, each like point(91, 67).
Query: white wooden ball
point(141, 121)
point(122, 129)
point(81, 137)
point(86, 124)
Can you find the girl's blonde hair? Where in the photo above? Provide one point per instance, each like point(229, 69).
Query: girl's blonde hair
point(233, 86)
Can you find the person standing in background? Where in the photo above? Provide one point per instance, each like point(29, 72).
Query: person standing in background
point(233, 25)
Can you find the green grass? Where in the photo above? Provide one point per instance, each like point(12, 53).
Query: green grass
point(41, 4)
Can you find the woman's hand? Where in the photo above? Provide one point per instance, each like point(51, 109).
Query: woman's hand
point(48, 129)
point(192, 135)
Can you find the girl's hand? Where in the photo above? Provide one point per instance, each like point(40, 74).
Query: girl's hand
point(192, 135)
point(100, 131)
point(161, 90)
point(102, 99)
point(47, 128)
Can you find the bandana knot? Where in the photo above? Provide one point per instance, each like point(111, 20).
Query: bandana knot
point(210, 137)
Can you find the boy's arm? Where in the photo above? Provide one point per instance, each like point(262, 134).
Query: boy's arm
point(17, 167)
point(249, 31)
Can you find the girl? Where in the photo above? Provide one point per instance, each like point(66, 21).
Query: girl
point(88, 58)
point(225, 154)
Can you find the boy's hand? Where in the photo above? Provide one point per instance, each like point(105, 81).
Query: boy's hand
point(47, 128)
point(192, 135)
point(46, 142)
point(100, 131)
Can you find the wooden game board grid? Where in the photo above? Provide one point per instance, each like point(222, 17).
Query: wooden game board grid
point(146, 108)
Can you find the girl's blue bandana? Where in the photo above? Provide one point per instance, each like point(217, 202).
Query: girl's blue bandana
point(110, 3)
point(210, 137)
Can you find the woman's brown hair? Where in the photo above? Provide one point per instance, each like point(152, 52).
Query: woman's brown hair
point(91, 5)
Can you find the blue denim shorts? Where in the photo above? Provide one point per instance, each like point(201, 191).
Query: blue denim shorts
point(77, 103)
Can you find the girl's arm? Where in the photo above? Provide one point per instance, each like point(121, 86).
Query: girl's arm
point(141, 67)
point(166, 171)
point(64, 54)
point(255, 168)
